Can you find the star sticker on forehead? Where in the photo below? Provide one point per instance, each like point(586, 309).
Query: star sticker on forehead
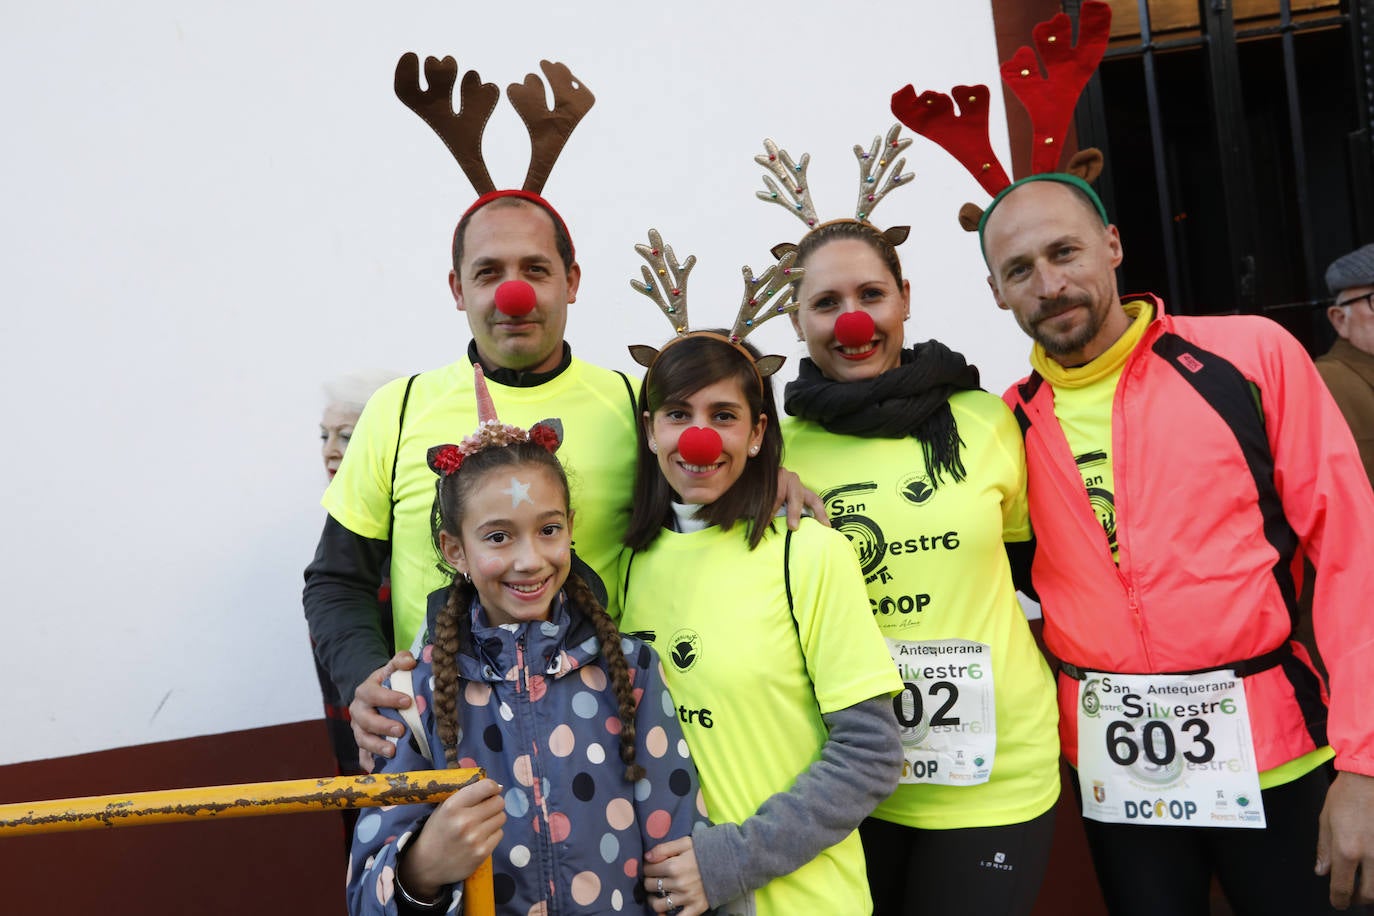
point(518, 493)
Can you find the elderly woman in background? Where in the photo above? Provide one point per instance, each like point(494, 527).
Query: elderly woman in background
point(344, 398)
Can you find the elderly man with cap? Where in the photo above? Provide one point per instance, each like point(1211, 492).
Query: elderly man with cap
point(1348, 368)
point(1177, 468)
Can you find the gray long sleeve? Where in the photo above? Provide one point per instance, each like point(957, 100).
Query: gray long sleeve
point(858, 768)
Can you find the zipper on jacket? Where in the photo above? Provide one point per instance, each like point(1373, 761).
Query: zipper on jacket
point(1134, 368)
point(1133, 603)
point(547, 858)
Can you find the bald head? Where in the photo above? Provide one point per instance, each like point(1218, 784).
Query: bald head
point(1052, 264)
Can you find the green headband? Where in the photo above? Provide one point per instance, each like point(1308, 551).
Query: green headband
point(1072, 181)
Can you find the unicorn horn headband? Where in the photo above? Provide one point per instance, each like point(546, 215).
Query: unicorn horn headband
point(1049, 96)
point(461, 132)
point(446, 460)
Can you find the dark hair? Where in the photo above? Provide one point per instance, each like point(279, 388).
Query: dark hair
point(682, 369)
point(453, 626)
point(560, 234)
point(850, 229)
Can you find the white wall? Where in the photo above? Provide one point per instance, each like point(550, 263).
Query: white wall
point(207, 209)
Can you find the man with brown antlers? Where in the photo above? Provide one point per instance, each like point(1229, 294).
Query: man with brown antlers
point(514, 275)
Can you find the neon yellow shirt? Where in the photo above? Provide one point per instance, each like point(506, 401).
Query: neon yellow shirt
point(1083, 402)
point(598, 453)
point(936, 569)
point(742, 670)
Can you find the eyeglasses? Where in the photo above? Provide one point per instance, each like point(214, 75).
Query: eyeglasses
point(1367, 299)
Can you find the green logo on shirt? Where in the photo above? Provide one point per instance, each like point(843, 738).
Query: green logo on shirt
point(915, 489)
point(684, 649)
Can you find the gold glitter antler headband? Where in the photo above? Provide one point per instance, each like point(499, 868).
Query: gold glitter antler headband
point(756, 307)
point(874, 163)
point(792, 176)
point(665, 265)
point(880, 153)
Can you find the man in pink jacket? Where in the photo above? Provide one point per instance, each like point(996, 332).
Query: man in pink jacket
point(1180, 469)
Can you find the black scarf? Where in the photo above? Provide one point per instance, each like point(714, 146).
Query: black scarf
point(909, 400)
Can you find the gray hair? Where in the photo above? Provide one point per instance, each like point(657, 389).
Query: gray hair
point(354, 388)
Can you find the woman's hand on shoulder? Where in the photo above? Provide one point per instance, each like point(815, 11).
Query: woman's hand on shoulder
point(457, 838)
point(672, 879)
point(793, 494)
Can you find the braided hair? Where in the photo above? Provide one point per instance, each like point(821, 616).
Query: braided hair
point(453, 626)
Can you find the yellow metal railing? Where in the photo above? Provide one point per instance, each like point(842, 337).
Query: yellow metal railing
point(249, 800)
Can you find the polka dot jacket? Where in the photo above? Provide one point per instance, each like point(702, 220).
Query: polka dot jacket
point(537, 711)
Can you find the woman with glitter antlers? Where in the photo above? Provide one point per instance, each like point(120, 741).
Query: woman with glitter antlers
point(781, 678)
point(528, 678)
point(926, 475)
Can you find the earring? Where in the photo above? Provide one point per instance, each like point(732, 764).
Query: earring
point(753, 450)
point(653, 446)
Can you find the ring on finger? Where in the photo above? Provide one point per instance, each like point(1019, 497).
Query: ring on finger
point(660, 888)
point(671, 907)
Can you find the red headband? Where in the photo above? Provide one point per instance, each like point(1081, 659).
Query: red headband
point(523, 195)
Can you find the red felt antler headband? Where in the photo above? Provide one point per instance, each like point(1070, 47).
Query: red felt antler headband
point(1049, 95)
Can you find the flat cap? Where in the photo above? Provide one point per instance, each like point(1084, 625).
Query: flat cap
point(1354, 269)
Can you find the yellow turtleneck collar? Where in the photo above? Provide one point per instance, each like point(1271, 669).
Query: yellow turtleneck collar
point(1108, 363)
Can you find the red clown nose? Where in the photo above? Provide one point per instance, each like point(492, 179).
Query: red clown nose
point(515, 298)
point(852, 329)
point(699, 445)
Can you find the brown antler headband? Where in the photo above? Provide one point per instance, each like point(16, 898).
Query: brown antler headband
point(462, 130)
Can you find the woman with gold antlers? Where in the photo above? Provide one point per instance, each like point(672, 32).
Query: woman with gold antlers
point(781, 679)
point(924, 472)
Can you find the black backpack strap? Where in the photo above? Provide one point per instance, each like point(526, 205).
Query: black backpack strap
point(1025, 393)
point(1237, 401)
point(625, 579)
point(396, 458)
point(787, 579)
point(791, 608)
point(630, 391)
